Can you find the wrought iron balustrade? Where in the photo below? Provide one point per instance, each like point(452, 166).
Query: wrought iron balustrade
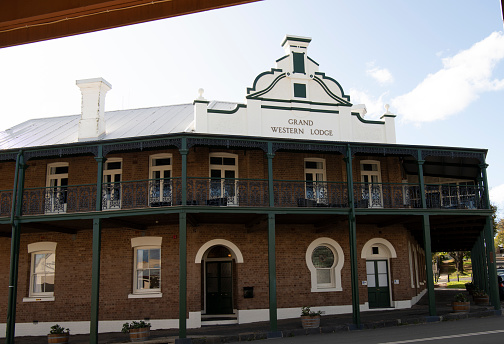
point(5, 202)
point(227, 192)
point(288, 193)
point(453, 196)
point(243, 193)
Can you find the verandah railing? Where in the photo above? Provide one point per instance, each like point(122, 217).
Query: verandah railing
point(243, 193)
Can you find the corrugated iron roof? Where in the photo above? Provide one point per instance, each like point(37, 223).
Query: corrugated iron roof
point(119, 124)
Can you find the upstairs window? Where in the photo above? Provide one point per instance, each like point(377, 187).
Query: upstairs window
point(112, 173)
point(315, 177)
point(223, 174)
point(300, 90)
point(56, 192)
point(160, 186)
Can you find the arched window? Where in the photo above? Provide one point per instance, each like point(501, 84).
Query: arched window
point(324, 258)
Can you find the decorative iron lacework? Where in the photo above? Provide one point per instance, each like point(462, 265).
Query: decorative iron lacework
point(454, 154)
point(227, 143)
point(384, 150)
point(12, 156)
point(141, 145)
point(61, 152)
point(309, 147)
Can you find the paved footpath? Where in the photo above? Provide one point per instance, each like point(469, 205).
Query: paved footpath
point(419, 313)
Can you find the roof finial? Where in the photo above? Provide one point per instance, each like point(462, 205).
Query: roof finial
point(387, 109)
point(200, 92)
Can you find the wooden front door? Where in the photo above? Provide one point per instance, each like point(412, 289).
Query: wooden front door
point(219, 287)
point(378, 283)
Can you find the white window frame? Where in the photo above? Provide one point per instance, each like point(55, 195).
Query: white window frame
point(109, 187)
point(145, 243)
point(54, 192)
point(230, 200)
point(34, 249)
point(370, 187)
point(320, 186)
point(163, 183)
point(339, 260)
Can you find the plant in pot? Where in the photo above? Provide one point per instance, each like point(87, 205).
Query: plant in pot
point(470, 287)
point(461, 303)
point(139, 331)
point(58, 334)
point(480, 297)
point(309, 318)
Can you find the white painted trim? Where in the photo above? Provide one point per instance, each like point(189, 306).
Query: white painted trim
point(235, 251)
point(375, 241)
point(82, 327)
point(336, 269)
point(145, 295)
point(146, 241)
point(42, 246)
point(38, 299)
point(410, 258)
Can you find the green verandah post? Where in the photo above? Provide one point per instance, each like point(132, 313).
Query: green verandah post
point(426, 238)
point(17, 201)
point(273, 317)
point(183, 247)
point(95, 270)
point(490, 248)
point(352, 234)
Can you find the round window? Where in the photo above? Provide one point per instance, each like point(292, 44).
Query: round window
point(322, 257)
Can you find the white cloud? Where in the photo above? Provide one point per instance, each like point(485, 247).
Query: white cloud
point(382, 75)
point(375, 106)
point(497, 199)
point(460, 81)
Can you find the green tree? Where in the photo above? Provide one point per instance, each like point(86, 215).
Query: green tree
point(499, 237)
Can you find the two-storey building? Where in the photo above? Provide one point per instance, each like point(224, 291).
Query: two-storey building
point(216, 212)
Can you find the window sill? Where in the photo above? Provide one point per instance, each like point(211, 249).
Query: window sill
point(38, 299)
point(145, 296)
point(324, 290)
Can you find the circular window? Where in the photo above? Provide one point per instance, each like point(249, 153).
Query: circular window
point(322, 257)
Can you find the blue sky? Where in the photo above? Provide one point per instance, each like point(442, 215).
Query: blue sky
point(439, 64)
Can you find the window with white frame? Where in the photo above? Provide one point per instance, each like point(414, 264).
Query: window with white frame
point(147, 266)
point(160, 186)
point(315, 177)
point(112, 174)
point(371, 190)
point(324, 258)
point(42, 270)
point(56, 192)
point(223, 174)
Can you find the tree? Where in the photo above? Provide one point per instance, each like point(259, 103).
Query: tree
point(499, 237)
point(458, 257)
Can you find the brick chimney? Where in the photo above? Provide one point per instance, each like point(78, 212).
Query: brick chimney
point(92, 121)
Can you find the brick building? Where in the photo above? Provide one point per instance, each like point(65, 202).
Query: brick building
point(217, 212)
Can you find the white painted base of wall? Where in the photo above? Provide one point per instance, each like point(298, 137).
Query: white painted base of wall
point(82, 327)
point(245, 316)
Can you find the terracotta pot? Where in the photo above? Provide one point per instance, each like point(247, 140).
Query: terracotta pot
point(60, 338)
point(481, 300)
point(308, 321)
point(139, 334)
point(461, 307)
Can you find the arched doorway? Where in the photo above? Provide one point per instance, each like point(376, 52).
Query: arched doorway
point(218, 260)
point(377, 253)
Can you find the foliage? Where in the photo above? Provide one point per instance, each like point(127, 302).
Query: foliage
point(478, 292)
point(458, 257)
point(57, 329)
point(461, 297)
point(499, 237)
point(305, 311)
point(134, 324)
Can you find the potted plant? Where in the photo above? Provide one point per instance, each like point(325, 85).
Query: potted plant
point(480, 297)
point(461, 303)
point(139, 331)
point(58, 334)
point(309, 318)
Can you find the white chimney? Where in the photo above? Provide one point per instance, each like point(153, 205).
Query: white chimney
point(92, 121)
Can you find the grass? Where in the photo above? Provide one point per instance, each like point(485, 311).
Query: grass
point(456, 285)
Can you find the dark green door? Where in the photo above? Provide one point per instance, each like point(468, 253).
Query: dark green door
point(378, 283)
point(219, 287)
